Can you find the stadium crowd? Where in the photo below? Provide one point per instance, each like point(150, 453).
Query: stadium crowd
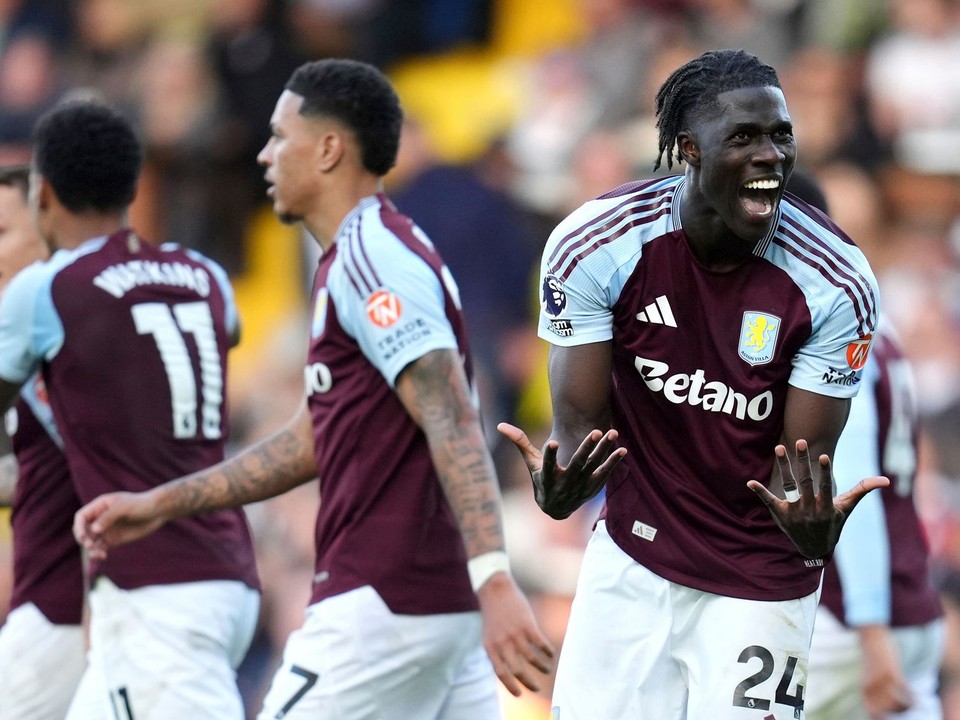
point(517, 113)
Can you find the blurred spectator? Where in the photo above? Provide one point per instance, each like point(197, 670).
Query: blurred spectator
point(857, 205)
point(560, 110)
point(828, 112)
point(616, 54)
point(766, 28)
point(177, 113)
point(913, 83)
point(29, 85)
point(252, 56)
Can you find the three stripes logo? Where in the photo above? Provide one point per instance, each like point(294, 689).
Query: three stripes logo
point(658, 312)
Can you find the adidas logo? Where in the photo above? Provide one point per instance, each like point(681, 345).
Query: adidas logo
point(658, 312)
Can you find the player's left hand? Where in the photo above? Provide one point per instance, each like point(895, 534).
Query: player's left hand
point(518, 649)
point(812, 518)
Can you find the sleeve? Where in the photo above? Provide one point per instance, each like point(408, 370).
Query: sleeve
point(574, 304)
point(395, 309)
point(831, 362)
point(30, 327)
point(863, 554)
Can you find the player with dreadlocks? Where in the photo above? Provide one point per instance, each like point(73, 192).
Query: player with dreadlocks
point(718, 327)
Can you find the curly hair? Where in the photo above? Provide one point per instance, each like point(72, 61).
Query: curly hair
point(359, 96)
point(694, 88)
point(89, 154)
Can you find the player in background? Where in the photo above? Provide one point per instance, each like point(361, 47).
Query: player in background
point(42, 647)
point(131, 340)
point(879, 634)
point(409, 539)
point(715, 326)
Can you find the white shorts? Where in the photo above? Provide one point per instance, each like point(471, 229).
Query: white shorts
point(640, 647)
point(40, 665)
point(166, 651)
point(835, 670)
point(353, 659)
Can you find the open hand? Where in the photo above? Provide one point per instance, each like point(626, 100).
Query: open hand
point(114, 519)
point(519, 651)
point(811, 518)
point(560, 490)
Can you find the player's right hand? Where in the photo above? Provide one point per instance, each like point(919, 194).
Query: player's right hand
point(114, 519)
point(518, 649)
point(558, 489)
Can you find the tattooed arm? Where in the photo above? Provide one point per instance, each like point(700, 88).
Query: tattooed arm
point(264, 470)
point(8, 479)
point(435, 392)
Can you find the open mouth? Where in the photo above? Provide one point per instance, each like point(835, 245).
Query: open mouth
point(758, 198)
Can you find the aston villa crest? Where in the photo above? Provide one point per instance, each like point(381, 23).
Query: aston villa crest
point(758, 337)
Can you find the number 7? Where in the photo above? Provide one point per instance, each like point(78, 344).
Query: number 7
point(311, 680)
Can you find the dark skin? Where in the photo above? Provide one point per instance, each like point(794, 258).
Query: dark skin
point(748, 138)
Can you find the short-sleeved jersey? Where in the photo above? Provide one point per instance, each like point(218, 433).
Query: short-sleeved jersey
point(880, 570)
point(132, 340)
point(382, 299)
point(701, 365)
point(47, 566)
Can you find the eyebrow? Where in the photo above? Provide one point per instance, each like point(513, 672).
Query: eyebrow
point(756, 127)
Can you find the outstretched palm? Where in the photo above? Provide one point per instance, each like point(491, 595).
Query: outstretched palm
point(558, 489)
point(812, 519)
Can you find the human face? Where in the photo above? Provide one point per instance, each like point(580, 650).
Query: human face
point(20, 245)
point(290, 160)
point(742, 159)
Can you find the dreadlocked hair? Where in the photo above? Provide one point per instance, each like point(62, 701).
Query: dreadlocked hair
point(697, 85)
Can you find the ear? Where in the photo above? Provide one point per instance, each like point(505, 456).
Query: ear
point(688, 148)
point(330, 149)
point(43, 192)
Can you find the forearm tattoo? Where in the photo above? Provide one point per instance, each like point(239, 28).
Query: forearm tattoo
point(269, 468)
point(452, 426)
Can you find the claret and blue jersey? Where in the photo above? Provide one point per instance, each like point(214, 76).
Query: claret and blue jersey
point(132, 342)
point(382, 299)
point(702, 362)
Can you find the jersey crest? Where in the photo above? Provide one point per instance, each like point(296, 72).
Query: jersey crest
point(758, 337)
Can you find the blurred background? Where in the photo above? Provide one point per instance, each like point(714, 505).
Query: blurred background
point(517, 112)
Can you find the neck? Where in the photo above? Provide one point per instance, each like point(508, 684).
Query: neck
point(74, 229)
point(335, 204)
point(712, 243)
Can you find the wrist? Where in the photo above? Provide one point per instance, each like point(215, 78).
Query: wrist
point(482, 567)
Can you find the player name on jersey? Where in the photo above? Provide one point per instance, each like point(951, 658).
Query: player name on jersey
point(121, 278)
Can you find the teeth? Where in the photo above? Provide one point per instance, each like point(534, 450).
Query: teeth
point(762, 185)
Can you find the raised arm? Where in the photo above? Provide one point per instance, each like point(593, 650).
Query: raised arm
point(269, 468)
point(435, 392)
point(8, 479)
point(580, 391)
